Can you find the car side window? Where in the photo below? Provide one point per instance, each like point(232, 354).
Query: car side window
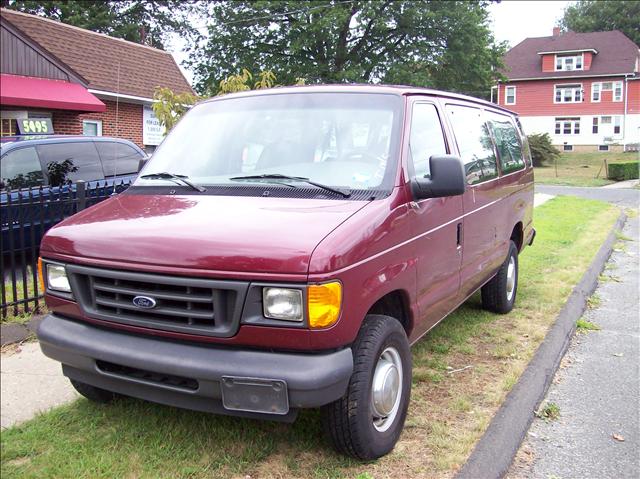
point(68, 162)
point(474, 142)
point(21, 169)
point(118, 158)
point(426, 139)
point(507, 143)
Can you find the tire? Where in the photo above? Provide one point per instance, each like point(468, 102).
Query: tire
point(93, 393)
point(351, 422)
point(499, 294)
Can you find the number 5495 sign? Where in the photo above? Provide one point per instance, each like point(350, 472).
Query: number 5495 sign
point(35, 126)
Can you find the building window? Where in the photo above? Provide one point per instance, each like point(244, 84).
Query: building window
point(594, 128)
point(617, 91)
point(603, 148)
point(567, 147)
point(606, 120)
point(616, 125)
point(595, 92)
point(568, 94)
point(567, 126)
point(510, 95)
point(92, 127)
point(568, 62)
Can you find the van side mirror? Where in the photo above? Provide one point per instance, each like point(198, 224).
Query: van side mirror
point(447, 178)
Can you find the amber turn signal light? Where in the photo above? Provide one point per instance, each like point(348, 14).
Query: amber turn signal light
point(40, 276)
point(324, 303)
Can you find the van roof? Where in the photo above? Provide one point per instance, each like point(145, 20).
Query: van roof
point(401, 90)
point(9, 142)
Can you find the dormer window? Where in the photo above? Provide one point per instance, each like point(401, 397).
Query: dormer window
point(569, 62)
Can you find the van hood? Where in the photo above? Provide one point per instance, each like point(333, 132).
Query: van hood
point(226, 233)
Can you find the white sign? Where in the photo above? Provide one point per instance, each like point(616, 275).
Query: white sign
point(152, 131)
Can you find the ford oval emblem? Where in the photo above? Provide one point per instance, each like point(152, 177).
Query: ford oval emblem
point(144, 302)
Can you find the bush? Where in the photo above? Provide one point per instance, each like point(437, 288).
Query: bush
point(623, 171)
point(542, 151)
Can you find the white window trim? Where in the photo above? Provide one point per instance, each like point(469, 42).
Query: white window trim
point(506, 95)
point(98, 123)
point(556, 85)
point(613, 91)
point(599, 92)
point(555, 65)
point(572, 120)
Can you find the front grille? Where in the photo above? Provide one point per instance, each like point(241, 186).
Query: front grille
point(191, 305)
point(148, 376)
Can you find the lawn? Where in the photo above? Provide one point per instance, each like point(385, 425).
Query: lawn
point(581, 169)
point(22, 313)
point(463, 370)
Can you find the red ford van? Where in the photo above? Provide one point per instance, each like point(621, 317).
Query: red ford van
point(284, 248)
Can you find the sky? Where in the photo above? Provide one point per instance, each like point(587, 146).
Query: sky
point(512, 21)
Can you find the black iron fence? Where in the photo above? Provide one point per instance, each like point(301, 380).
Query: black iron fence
point(26, 215)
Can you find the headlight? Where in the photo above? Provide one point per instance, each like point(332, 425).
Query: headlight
point(57, 279)
point(282, 303)
point(325, 301)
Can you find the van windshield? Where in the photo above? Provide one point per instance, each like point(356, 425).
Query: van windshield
point(341, 140)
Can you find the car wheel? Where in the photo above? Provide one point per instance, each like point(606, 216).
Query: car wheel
point(367, 421)
point(93, 393)
point(499, 294)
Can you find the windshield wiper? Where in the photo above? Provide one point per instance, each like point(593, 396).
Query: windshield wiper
point(278, 176)
point(175, 178)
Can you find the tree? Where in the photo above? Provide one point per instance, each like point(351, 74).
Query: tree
point(543, 152)
point(600, 16)
point(442, 44)
point(132, 20)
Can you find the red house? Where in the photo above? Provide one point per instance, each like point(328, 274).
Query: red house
point(583, 89)
point(84, 82)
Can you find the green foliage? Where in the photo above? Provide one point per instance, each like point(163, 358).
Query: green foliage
point(542, 151)
point(242, 82)
point(600, 16)
point(583, 325)
point(122, 19)
point(445, 45)
point(550, 412)
point(169, 106)
point(623, 171)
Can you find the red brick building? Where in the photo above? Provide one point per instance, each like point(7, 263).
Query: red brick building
point(85, 82)
point(583, 89)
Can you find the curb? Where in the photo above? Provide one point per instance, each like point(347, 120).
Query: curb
point(494, 452)
point(16, 333)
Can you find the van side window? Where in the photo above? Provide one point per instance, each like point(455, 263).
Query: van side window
point(117, 158)
point(507, 143)
point(21, 169)
point(474, 143)
point(426, 137)
point(525, 143)
point(68, 162)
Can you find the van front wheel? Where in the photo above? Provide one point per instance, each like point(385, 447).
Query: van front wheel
point(367, 421)
point(499, 294)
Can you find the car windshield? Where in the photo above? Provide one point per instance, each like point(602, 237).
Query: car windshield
point(340, 140)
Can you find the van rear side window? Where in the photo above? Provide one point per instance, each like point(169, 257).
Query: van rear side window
point(69, 162)
point(474, 142)
point(507, 143)
point(21, 169)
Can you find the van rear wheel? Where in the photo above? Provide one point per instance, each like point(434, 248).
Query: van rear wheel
point(93, 393)
point(499, 294)
point(367, 421)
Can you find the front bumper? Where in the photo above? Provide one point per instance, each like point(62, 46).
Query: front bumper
point(311, 380)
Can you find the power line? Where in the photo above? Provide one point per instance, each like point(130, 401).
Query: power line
point(275, 15)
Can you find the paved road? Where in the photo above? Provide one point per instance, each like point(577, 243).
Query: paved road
point(598, 386)
point(624, 197)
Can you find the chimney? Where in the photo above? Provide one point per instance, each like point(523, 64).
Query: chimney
point(143, 35)
point(556, 31)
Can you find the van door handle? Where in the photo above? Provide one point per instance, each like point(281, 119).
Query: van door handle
point(459, 235)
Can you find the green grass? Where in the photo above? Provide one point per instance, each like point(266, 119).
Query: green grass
point(451, 406)
point(583, 326)
point(581, 169)
point(550, 412)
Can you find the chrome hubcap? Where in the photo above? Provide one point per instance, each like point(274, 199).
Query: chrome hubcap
point(511, 278)
point(386, 389)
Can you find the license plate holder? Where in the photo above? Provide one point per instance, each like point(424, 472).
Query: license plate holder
point(267, 396)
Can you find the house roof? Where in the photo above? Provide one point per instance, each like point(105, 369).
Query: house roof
point(616, 54)
point(96, 57)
